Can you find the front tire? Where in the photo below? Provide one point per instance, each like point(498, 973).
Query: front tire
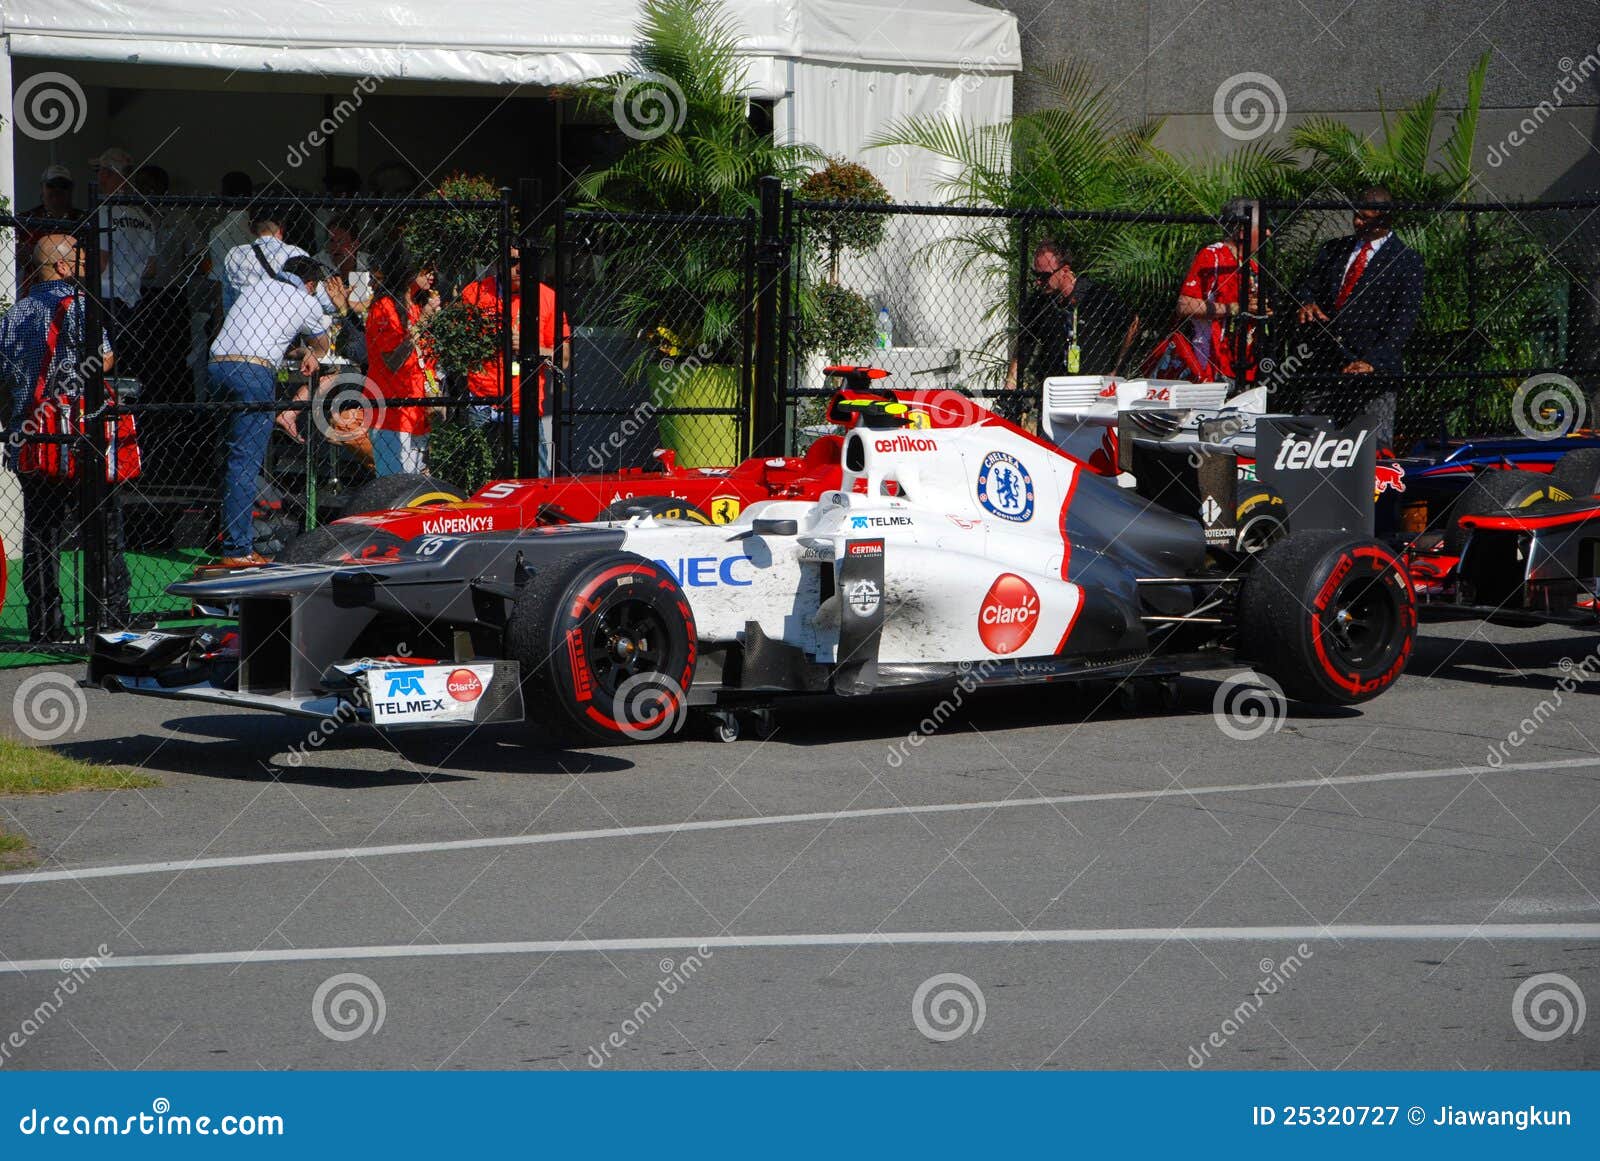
point(339, 543)
point(1495, 491)
point(402, 490)
point(1330, 617)
point(606, 641)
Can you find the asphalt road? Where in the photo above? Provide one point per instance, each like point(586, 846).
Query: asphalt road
point(1044, 882)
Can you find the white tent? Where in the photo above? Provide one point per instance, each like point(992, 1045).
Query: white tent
point(837, 69)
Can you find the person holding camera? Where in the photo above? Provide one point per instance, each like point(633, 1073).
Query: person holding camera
point(271, 316)
point(400, 372)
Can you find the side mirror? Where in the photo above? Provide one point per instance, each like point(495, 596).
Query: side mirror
point(775, 527)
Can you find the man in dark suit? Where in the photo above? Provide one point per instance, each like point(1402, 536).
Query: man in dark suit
point(1359, 303)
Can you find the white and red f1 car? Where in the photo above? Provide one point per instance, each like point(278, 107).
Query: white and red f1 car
point(956, 544)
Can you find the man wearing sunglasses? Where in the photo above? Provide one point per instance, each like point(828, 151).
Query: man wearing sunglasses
point(1068, 325)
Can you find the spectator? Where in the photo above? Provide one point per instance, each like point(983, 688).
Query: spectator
point(1360, 301)
point(55, 197)
point(127, 243)
point(262, 257)
point(42, 353)
point(397, 370)
point(1208, 300)
point(485, 381)
point(266, 321)
point(338, 182)
point(55, 206)
point(234, 228)
point(1069, 325)
point(345, 257)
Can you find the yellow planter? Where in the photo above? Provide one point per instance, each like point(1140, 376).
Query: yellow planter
point(700, 441)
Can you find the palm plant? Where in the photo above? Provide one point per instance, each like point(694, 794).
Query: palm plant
point(695, 151)
point(1081, 154)
point(1512, 331)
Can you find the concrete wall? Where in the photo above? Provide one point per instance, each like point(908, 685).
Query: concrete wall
point(1168, 58)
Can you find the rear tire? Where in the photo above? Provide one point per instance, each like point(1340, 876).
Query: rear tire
point(661, 507)
point(338, 543)
point(1494, 491)
point(607, 646)
point(1329, 616)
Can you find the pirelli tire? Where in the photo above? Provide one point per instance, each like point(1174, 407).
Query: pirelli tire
point(1495, 491)
point(607, 647)
point(402, 490)
point(339, 542)
point(1328, 616)
point(661, 507)
point(1262, 517)
point(1577, 473)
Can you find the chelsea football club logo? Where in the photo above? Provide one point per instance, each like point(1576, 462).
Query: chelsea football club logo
point(1005, 488)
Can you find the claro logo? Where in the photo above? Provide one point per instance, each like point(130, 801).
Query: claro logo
point(1008, 615)
point(1320, 452)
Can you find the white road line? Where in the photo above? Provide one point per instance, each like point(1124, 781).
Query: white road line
point(571, 836)
point(1342, 932)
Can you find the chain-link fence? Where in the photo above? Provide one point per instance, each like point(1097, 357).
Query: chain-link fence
point(262, 361)
point(987, 302)
point(1462, 304)
point(1469, 303)
point(696, 333)
point(662, 314)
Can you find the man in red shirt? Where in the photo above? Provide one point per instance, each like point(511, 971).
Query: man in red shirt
point(485, 382)
point(1209, 297)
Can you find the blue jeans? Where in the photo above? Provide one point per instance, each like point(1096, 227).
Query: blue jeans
point(489, 415)
point(248, 433)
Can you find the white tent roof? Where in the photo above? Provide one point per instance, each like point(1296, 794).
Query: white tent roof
point(545, 42)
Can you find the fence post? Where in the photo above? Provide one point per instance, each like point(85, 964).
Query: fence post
point(1249, 299)
point(508, 355)
point(768, 418)
point(785, 308)
point(530, 262)
point(90, 450)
